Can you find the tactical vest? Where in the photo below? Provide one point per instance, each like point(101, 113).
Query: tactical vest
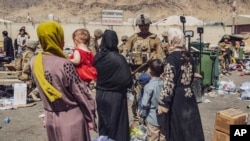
point(224, 47)
point(23, 67)
point(140, 50)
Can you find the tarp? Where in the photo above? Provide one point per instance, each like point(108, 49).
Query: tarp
point(239, 20)
point(5, 21)
point(175, 20)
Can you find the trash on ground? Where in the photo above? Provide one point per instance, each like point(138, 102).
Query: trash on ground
point(6, 120)
point(130, 96)
point(41, 115)
point(245, 91)
point(138, 133)
point(206, 101)
point(102, 138)
point(226, 87)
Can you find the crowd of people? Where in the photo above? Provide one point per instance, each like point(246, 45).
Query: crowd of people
point(20, 53)
point(158, 73)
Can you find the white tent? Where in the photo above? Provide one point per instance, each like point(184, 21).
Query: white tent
point(239, 20)
point(5, 21)
point(175, 20)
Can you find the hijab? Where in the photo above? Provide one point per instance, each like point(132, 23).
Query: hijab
point(51, 37)
point(113, 71)
point(176, 40)
point(109, 41)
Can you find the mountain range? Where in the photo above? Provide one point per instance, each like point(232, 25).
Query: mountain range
point(76, 11)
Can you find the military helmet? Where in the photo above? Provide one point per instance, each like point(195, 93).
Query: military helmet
point(165, 34)
point(143, 19)
point(98, 33)
point(23, 27)
point(32, 44)
point(226, 37)
point(124, 37)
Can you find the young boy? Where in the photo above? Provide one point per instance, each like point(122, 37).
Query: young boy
point(155, 123)
point(143, 79)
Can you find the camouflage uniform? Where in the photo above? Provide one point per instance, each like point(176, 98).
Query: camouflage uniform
point(225, 53)
point(93, 45)
point(22, 65)
point(164, 44)
point(122, 47)
point(142, 49)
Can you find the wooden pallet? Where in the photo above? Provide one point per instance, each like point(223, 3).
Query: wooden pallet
point(8, 72)
point(9, 81)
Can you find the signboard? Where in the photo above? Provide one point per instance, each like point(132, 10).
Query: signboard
point(112, 17)
point(111, 21)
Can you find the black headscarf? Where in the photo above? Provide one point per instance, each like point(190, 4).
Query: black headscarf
point(112, 68)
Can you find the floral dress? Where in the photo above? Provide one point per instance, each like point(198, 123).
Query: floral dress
point(183, 120)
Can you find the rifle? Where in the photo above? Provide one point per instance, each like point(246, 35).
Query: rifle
point(142, 66)
point(137, 70)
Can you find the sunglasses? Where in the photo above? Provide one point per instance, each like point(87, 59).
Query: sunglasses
point(124, 40)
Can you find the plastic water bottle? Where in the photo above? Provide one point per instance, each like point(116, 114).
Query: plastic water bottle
point(6, 120)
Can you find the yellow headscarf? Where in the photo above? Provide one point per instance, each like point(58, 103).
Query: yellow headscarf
point(51, 37)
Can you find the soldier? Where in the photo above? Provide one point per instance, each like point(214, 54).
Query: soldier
point(142, 46)
point(94, 47)
point(22, 65)
point(225, 53)
point(122, 47)
point(94, 40)
point(164, 43)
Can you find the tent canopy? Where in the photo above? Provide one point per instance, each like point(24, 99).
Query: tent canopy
point(5, 21)
point(175, 20)
point(239, 20)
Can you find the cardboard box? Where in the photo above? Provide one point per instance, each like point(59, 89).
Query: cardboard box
point(220, 136)
point(228, 117)
point(20, 93)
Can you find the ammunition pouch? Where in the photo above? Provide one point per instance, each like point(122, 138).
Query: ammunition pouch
point(139, 58)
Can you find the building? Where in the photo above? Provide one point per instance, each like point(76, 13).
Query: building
point(241, 24)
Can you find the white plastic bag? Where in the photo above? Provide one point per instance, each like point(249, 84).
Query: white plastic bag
point(130, 96)
point(102, 138)
point(248, 65)
point(245, 91)
point(227, 87)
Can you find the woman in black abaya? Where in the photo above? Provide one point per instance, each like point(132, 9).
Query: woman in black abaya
point(113, 79)
point(177, 98)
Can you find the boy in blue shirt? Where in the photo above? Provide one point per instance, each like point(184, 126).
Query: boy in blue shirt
point(155, 123)
point(143, 79)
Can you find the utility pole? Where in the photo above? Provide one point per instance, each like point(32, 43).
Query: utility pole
point(233, 15)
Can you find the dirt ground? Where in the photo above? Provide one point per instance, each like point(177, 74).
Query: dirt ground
point(25, 125)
